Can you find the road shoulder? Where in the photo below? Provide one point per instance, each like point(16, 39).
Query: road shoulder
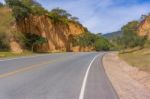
point(128, 81)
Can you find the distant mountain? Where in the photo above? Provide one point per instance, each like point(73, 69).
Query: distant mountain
point(113, 35)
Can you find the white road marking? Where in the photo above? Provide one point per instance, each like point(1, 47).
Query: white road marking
point(85, 79)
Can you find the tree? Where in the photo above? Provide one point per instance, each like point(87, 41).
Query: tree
point(18, 8)
point(4, 44)
point(102, 44)
point(92, 40)
point(35, 7)
point(23, 8)
point(130, 38)
point(61, 12)
point(33, 40)
point(130, 27)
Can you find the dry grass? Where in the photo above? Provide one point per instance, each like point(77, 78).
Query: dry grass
point(10, 54)
point(139, 58)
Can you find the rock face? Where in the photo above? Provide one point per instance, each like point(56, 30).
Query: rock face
point(58, 35)
point(144, 28)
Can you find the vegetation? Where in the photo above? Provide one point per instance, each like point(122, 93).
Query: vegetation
point(32, 40)
point(10, 54)
point(3, 42)
point(138, 58)
point(130, 37)
point(134, 48)
point(61, 16)
point(103, 44)
point(91, 40)
point(23, 8)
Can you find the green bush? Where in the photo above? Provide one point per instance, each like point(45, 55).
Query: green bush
point(130, 37)
point(102, 44)
point(61, 16)
point(4, 44)
point(92, 40)
point(32, 40)
point(85, 39)
point(23, 8)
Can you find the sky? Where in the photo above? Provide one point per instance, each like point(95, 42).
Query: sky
point(101, 16)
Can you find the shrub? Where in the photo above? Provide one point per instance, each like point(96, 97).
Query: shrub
point(32, 40)
point(130, 37)
point(102, 44)
point(4, 45)
point(92, 40)
point(23, 8)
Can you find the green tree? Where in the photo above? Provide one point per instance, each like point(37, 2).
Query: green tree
point(61, 12)
point(35, 7)
point(92, 40)
point(130, 38)
point(131, 27)
point(18, 8)
point(23, 8)
point(4, 44)
point(59, 15)
point(33, 40)
point(102, 44)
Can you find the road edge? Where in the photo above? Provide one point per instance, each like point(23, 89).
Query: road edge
point(112, 87)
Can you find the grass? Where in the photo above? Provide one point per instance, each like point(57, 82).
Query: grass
point(5, 54)
point(138, 58)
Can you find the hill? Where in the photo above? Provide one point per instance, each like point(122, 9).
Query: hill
point(32, 27)
point(113, 35)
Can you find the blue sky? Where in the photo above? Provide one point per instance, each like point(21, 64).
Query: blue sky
point(102, 16)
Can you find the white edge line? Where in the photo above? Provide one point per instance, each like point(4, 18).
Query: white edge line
point(85, 79)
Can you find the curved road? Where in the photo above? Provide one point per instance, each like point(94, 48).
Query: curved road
point(55, 76)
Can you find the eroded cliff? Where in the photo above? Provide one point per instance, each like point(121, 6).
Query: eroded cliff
point(59, 35)
point(144, 28)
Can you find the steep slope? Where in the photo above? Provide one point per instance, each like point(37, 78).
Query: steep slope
point(144, 28)
point(59, 35)
point(113, 35)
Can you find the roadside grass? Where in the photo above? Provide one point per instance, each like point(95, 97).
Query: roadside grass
point(138, 58)
point(6, 54)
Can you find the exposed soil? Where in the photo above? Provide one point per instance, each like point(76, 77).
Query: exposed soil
point(129, 82)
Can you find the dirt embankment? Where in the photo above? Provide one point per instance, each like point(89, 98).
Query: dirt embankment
point(129, 82)
point(59, 35)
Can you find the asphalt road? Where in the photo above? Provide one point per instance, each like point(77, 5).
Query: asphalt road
point(55, 76)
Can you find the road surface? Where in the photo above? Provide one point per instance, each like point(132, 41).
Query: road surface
point(55, 76)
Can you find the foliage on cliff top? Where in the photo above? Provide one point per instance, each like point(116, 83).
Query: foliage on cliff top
point(23, 8)
point(62, 16)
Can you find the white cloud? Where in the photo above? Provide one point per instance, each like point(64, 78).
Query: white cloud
point(101, 15)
